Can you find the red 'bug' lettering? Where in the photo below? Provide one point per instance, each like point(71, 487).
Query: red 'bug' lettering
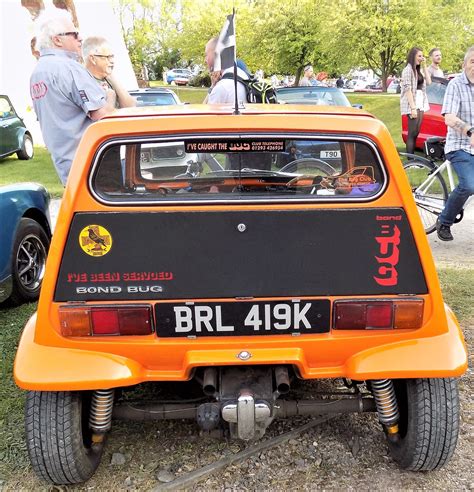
point(389, 254)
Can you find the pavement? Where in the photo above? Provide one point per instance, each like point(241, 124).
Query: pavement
point(457, 253)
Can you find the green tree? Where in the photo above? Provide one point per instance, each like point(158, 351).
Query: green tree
point(378, 34)
point(146, 27)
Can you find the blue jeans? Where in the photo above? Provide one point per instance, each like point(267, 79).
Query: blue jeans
point(463, 164)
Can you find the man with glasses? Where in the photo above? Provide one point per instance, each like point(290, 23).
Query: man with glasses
point(99, 61)
point(66, 98)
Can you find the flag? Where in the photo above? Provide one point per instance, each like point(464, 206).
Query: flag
point(224, 57)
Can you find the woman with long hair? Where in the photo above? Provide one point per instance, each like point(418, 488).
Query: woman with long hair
point(413, 100)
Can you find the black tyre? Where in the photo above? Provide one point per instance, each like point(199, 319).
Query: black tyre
point(429, 423)
point(429, 190)
point(58, 438)
point(27, 150)
point(310, 166)
point(30, 249)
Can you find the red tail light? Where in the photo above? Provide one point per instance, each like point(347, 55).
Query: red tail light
point(377, 314)
point(101, 320)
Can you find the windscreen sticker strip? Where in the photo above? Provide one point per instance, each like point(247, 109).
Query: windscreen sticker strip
point(235, 145)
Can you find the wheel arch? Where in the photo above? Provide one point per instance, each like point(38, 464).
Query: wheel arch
point(38, 216)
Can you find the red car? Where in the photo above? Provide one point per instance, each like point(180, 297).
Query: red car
point(433, 122)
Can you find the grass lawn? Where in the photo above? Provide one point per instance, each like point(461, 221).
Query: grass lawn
point(456, 285)
point(40, 169)
point(385, 107)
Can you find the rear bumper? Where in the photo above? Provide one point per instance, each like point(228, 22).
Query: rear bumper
point(45, 368)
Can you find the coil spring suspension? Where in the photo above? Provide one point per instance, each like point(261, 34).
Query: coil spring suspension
point(386, 403)
point(100, 418)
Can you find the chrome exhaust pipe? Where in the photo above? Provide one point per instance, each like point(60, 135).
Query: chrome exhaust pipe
point(282, 380)
point(209, 381)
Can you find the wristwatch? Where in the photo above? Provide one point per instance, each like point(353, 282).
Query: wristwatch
point(469, 132)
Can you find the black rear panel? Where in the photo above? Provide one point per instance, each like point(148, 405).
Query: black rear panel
point(193, 255)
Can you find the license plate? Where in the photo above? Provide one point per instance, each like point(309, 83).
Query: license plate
point(242, 318)
point(330, 154)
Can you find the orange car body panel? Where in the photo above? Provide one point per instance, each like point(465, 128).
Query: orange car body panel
point(48, 361)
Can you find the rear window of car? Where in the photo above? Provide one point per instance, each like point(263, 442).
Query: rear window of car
point(6, 110)
point(238, 168)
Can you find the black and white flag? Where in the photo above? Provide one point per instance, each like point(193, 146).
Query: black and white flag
point(225, 47)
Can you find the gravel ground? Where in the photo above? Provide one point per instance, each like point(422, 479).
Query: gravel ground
point(348, 452)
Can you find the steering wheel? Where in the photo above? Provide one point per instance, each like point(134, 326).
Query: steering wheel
point(309, 163)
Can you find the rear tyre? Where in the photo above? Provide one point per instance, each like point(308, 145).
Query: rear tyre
point(429, 423)
point(27, 150)
point(430, 192)
point(30, 250)
point(58, 438)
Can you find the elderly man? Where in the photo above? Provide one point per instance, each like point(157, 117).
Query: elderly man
point(99, 61)
point(66, 98)
point(308, 79)
point(458, 111)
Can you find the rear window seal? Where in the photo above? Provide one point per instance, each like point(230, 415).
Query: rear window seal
point(163, 202)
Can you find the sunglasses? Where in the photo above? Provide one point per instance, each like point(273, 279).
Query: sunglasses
point(109, 57)
point(75, 34)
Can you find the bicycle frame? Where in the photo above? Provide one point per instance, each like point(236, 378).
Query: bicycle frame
point(422, 189)
point(420, 194)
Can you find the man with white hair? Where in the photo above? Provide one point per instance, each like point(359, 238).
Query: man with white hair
point(99, 60)
point(66, 98)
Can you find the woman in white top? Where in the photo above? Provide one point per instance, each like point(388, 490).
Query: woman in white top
point(413, 100)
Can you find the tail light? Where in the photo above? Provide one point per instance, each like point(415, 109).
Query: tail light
point(378, 314)
point(101, 320)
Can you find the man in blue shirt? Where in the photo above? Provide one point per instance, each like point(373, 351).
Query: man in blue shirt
point(66, 98)
point(458, 111)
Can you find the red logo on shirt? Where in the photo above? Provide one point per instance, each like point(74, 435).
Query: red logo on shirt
point(38, 90)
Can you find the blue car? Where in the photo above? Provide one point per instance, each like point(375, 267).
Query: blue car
point(179, 76)
point(24, 241)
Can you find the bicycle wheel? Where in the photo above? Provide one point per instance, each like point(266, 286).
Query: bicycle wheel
point(428, 188)
point(309, 165)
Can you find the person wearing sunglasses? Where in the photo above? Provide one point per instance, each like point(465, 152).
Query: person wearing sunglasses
point(99, 61)
point(66, 98)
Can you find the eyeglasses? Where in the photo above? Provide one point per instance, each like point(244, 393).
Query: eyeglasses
point(109, 57)
point(75, 34)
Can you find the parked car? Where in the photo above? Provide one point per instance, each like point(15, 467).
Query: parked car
point(394, 87)
point(373, 87)
point(155, 96)
point(14, 136)
point(322, 96)
point(233, 281)
point(433, 124)
point(179, 76)
point(24, 241)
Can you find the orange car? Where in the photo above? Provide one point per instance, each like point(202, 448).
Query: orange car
point(240, 251)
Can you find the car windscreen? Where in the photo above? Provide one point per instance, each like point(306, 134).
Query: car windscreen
point(435, 91)
point(160, 99)
point(319, 96)
point(238, 168)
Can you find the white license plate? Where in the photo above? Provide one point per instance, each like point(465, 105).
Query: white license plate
point(330, 154)
point(242, 318)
